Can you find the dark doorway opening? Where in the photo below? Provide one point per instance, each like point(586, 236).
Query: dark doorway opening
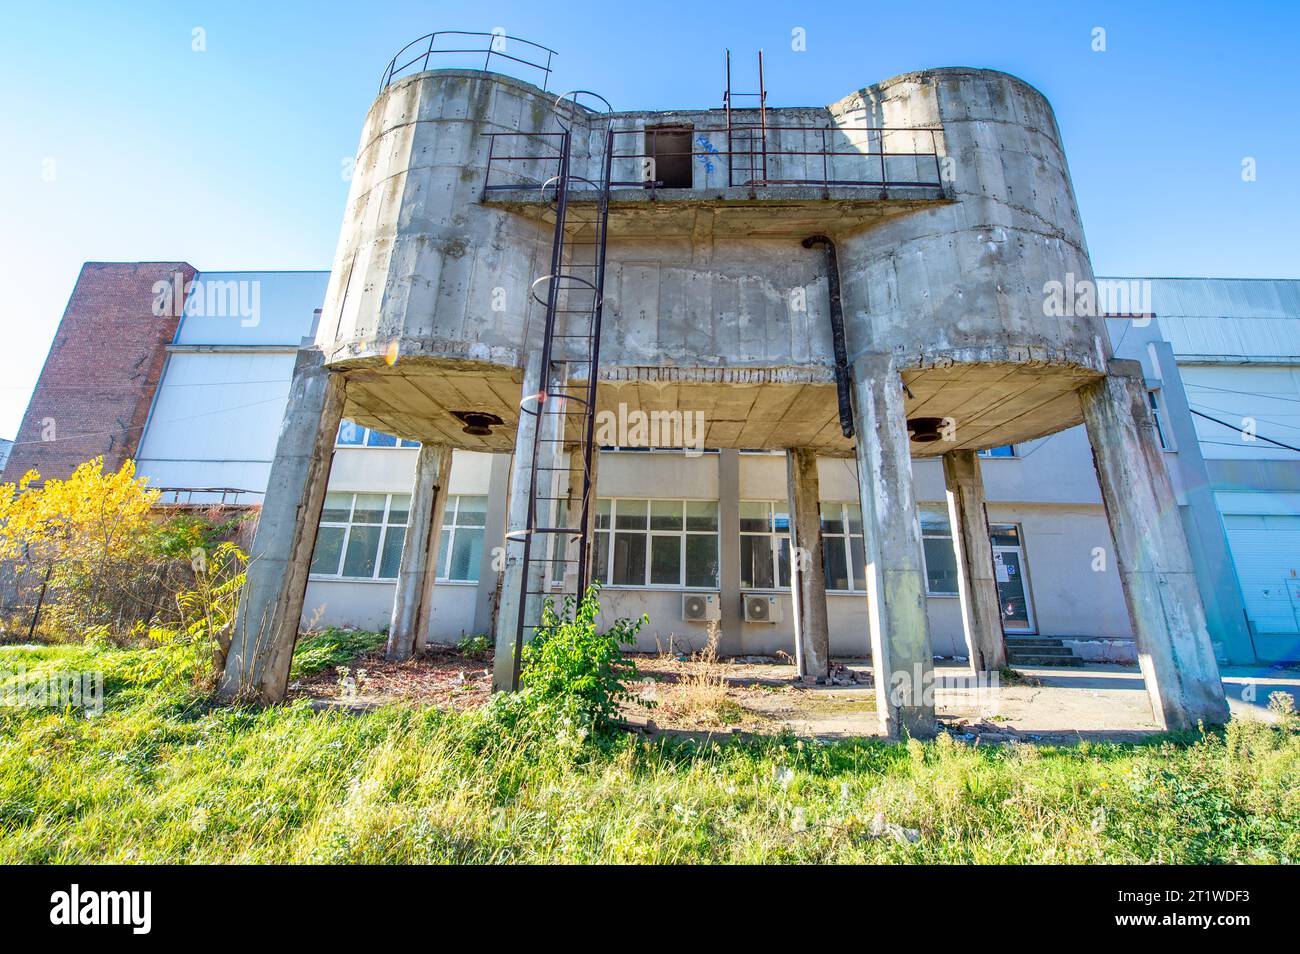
point(668, 151)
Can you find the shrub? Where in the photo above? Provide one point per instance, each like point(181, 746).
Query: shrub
point(570, 667)
point(475, 647)
point(317, 652)
point(95, 555)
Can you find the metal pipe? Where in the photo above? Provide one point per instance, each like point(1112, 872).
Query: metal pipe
point(842, 374)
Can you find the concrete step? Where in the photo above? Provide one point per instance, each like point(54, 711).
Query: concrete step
point(1041, 650)
point(1019, 642)
point(1030, 658)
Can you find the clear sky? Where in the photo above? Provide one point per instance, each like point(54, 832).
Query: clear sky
point(121, 142)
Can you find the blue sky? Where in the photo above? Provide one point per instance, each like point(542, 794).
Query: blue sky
point(121, 142)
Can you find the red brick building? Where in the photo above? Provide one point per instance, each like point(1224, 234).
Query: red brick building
point(94, 393)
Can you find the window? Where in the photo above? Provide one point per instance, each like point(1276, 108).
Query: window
point(1006, 450)
point(354, 435)
point(361, 536)
point(668, 151)
point(940, 558)
point(764, 545)
point(1153, 399)
point(460, 545)
point(657, 542)
point(842, 546)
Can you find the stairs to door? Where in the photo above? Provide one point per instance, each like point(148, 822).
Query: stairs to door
point(1040, 651)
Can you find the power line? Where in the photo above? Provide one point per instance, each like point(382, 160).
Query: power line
point(1234, 427)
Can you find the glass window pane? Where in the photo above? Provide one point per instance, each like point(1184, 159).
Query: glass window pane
point(783, 561)
point(858, 554)
point(837, 563)
point(934, 521)
point(329, 544)
point(369, 508)
point(363, 550)
point(701, 559)
point(855, 517)
point(337, 508)
point(466, 554)
point(756, 562)
point(666, 560)
point(782, 518)
point(629, 558)
point(665, 515)
point(832, 518)
point(702, 515)
point(472, 512)
point(600, 570)
point(350, 435)
point(755, 516)
point(391, 560)
point(399, 508)
point(940, 565)
point(630, 514)
point(406, 443)
point(377, 439)
point(1005, 535)
point(444, 541)
point(602, 514)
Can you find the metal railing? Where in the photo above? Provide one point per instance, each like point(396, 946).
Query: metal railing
point(422, 50)
point(889, 157)
point(184, 496)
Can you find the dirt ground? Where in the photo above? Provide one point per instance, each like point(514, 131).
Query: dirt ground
point(439, 677)
point(1039, 704)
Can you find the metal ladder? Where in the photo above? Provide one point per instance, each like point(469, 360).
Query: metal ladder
point(746, 142)
point(561, 493)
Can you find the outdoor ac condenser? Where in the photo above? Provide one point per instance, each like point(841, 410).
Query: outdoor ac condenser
point(700, 607)
point(760, 608)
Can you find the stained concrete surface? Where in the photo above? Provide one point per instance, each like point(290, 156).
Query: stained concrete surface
point(1097, 702)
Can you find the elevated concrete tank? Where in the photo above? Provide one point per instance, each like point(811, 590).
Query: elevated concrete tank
point(875, 283)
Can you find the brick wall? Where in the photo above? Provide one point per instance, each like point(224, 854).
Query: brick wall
point(95, 390)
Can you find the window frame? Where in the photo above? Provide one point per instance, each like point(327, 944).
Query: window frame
point(931, 535)
point(847, 537)
point(366, 432)
point(649, 533)
point(450, 525)
point(774, 535)
point(1156, 405)
point(384, 525)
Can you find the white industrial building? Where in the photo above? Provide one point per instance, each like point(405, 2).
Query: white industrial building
point(1227, 350)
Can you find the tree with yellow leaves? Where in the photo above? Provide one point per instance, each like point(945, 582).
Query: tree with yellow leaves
point(86, 540)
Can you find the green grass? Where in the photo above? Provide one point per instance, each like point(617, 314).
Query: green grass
point(331, 647)
point(161, 776)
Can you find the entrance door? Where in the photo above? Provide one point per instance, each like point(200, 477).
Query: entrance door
point(1009, 570)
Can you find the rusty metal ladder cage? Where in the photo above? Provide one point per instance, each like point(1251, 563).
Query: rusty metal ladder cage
point(746, 141)
point(561, 492)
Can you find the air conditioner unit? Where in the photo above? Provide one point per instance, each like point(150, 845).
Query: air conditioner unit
point(700, 607)
point(760, 608)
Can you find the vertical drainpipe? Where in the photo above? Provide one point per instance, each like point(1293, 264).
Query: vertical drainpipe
point(842, 377)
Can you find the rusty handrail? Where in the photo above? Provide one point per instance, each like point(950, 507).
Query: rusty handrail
point(494, 47)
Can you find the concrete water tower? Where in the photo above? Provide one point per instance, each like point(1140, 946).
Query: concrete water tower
point(865, 280)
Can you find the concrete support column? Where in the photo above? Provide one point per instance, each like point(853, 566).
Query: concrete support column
point(900, 630)
point(731, 631)
point(494, 535)
point(547, 429)
point(1151, 552)
point(575, 509)
point(976, 586)
point(266, 627)
point(413, 602)
point(812, 640)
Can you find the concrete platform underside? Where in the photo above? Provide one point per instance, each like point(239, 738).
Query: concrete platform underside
point(773, 407)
